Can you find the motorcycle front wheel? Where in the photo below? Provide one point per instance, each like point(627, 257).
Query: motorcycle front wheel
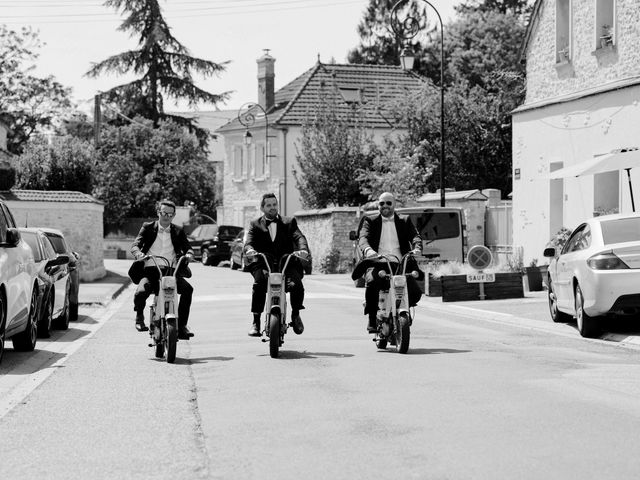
point(403, 333)
point(274, 335)
point(172, 342)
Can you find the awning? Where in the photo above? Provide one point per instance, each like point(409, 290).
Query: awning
point(622, 159)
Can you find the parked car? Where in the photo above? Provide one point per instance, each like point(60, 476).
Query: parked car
point(596, 274)
point(216, 249)
point(199, 235)
point(61, 247)
point(237, 259)
point(53, 281)
point(18, 294)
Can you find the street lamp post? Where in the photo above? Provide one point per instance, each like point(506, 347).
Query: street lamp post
point(248, 118)
point(406, 30)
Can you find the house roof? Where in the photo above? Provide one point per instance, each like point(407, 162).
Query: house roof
point(210, 120)
point(453, 195)
point(47, 196)
point(366, 88)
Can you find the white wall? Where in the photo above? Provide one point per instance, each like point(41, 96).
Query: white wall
point(570, 133)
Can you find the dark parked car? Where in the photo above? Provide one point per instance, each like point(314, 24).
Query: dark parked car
point(237, 259)
point(199, 235)
point(61, 247)
point(217, 249)
point(53, 282)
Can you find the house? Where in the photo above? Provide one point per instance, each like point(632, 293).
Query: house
point(582, 62)
point(267, 164)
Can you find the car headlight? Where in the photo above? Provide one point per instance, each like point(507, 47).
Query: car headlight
point(606, 261)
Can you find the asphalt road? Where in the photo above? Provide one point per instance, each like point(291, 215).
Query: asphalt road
point(479, 396)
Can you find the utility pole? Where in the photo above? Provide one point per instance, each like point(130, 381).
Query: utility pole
point(97, 120)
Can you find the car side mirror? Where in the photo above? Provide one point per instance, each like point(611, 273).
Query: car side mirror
point(59, 260)
point(549, 252)
point(353, 235)
point(13, 238)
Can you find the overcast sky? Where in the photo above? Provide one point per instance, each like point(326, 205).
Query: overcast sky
point(80, 32)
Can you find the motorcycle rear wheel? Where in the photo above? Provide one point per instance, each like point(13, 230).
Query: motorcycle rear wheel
point(172, 342)
point(381, 343)
point(403, 333)
point(274, 335)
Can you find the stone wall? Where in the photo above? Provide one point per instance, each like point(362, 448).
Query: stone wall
point(328, 229)
point(80, 222)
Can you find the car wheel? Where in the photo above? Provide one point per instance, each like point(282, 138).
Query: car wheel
point(62, 322)
point(587, 326)
point(44, 324)
point(556, 315)
point(25, 341)
point(2, 325)
point(205, 257)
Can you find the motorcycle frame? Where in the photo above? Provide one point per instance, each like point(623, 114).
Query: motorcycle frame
point(163, 310)
point(390, 298)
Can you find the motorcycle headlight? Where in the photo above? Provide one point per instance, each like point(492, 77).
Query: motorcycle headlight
point(399, 281)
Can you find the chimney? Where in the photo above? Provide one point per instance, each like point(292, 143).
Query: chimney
point(266, 91)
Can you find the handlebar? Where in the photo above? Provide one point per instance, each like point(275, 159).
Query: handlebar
point(166, 262)
point(402, 262)
point(286, 263)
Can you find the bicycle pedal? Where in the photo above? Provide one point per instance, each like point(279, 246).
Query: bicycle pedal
point(264, 340)
point(151, 345)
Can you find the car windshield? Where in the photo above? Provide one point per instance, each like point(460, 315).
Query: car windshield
point(228, 231)
point(437, 225)
point(621, 230)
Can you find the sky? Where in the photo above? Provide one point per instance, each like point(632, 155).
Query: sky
point(297, 33)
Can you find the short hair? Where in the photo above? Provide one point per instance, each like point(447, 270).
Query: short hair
point(265, 196)
point(167, 203)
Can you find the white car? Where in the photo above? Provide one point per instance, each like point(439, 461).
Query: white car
point(597, 272)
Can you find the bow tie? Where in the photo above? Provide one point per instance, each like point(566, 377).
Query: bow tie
point(269, 222)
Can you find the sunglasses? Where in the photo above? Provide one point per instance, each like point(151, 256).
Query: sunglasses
point(166, 214)
point(385, 203)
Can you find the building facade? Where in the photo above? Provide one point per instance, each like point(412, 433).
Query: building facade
point(582, 100)
point(267, 164)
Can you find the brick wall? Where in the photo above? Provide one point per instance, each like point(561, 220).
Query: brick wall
point(589, 67)
point(327, 229)
point(80, 222)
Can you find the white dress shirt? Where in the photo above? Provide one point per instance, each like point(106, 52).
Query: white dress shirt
point(162, 247)
point(389, 244)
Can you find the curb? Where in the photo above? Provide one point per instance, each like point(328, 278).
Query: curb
point(108, 298)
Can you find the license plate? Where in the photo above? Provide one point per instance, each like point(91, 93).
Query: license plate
point(481, 277)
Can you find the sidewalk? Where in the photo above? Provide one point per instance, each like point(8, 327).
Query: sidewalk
point(103, 290)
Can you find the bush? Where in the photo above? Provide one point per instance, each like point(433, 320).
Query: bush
point(334, 263)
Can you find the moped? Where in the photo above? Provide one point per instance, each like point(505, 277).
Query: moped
point(275, 324)
point(163, 319)
point(393, 316)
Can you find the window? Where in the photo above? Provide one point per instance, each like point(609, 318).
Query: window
point(238, 162)
point(32, 241)
point(579, 240)
point(605, 24)
point(563, 31)
point(437, 225)
point(351, 95)
point(57, 243)
point(261, 157)
point(48, 249)
point(620, 230)
point(3, 227)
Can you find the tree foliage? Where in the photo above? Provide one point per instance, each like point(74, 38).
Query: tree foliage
point(30, 103)
point(137, 165)
point(59, 163)
point(163, 65)
point(333, 150)
point(484, 82)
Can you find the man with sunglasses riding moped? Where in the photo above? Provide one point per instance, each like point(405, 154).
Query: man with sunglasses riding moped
point(388, 234)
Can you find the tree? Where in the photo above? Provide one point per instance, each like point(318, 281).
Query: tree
point(379, 45)
point(62, 163)
point(164, 65)
point(30, 103)
point(334, 149)
point(138, 165)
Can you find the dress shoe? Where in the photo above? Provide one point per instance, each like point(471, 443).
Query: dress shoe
point(184, 333)
point(296, 323)
point(254, 331)
point(140, 326)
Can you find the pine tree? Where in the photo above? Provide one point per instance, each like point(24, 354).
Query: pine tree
point(164, 65)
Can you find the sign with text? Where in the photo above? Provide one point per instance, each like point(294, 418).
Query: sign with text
point(481, 277)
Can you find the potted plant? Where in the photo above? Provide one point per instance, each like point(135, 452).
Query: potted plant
point(607, 36)
point(534, 276)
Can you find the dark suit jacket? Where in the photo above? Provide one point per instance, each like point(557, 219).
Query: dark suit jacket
point(370, 231)
point(147, 235)
point(288, 239)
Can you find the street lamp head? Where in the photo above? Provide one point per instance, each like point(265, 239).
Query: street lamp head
point(407, 58)
point(248, 138)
